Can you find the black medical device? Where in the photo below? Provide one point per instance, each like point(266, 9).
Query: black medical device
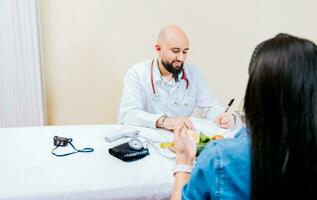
point(135, 149)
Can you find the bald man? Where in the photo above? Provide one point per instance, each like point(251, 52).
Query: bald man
point(162, 92)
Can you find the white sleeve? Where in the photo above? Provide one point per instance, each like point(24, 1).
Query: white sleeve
point(207, 102)
point(131, 109)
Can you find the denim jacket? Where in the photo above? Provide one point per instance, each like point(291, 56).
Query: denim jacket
point(222, 170)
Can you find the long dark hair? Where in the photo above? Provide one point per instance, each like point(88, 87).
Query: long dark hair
point(281, 114)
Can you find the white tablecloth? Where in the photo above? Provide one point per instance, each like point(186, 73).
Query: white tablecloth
point(28, 170)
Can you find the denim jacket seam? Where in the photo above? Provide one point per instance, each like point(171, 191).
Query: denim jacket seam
point(219, 174)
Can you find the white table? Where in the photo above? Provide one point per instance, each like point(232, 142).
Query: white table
point(28, 170)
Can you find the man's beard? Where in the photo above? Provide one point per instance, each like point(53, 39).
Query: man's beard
point(170, 68)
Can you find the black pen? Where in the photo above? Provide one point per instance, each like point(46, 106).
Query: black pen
point(229, 104)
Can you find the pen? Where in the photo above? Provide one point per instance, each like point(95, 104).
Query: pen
point(229, 104)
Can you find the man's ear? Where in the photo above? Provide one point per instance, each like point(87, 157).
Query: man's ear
point(157, 48)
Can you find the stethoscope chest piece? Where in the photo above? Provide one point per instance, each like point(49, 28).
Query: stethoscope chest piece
point(155, 97)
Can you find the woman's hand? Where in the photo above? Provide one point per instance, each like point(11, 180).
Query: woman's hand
point(185, 147)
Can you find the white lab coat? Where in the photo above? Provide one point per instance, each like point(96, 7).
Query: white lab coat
point(139, 106)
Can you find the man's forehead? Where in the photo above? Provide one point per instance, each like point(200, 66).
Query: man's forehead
point(177, 44)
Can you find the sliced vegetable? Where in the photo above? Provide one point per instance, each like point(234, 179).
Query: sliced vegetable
point(203, 138)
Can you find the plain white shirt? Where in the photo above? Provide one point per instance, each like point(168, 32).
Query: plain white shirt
point(140, 106)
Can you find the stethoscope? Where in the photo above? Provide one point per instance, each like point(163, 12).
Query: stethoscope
point(155, 96)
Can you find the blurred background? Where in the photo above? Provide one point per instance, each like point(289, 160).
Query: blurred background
point(88, 46)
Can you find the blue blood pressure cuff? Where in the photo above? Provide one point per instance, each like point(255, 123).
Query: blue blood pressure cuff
point(63, 142)
point(125, 153)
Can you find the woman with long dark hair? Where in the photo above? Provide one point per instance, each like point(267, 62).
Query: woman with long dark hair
point(275, 156)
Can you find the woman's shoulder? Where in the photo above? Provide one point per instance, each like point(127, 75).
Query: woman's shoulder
point(240, 141)
point(226, 166)
point(234, 150)
point(239, 145)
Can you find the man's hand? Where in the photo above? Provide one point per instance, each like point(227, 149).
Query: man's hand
point(225, 120)
point(175, 123)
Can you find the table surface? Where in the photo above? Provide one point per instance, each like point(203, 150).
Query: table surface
point(28, 170)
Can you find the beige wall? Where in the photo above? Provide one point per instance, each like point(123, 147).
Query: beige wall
point(90, 44)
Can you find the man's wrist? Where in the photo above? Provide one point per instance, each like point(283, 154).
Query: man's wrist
point(234, 119)
point(160, 121)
